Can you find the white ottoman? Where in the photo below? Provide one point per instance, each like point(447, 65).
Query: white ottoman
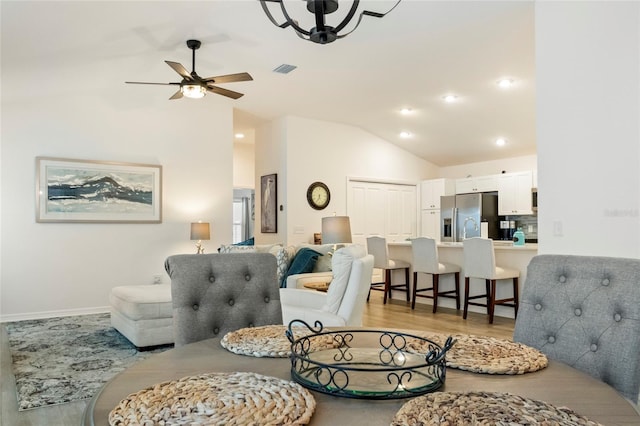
point(143, 313)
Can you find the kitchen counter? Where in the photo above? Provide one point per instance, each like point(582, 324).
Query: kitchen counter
point(497, 245)
point(507, 256)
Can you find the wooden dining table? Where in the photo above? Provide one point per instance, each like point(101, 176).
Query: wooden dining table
point(557, 384)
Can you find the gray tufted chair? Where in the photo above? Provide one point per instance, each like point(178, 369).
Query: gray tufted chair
point(585, 312)
point(213, 294)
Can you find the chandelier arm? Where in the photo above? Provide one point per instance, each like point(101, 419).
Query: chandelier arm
point(349, 16)
point(293, 22)
point(368, 13)
point(289, 22)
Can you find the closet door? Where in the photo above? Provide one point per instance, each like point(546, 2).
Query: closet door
point(385, 209)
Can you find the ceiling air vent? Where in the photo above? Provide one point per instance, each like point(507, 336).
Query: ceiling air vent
point(285, 69)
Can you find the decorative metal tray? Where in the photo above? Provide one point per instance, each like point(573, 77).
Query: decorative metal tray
point(368, 364)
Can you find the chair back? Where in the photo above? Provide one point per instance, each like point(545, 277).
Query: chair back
point(355, 295)
point(479, 258)
point(585, 312)
point(425, 255)
point(213, 294)
point(377, 247)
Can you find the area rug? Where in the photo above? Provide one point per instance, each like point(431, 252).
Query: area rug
point(64, 359)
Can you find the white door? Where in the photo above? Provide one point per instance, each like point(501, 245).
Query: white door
point(384, 209)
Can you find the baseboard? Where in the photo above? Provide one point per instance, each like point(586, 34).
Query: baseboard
point(52, 314)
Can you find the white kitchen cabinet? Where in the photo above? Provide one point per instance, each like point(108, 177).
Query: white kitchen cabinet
point(431, 191)
point(487, 183)
point(514, 193)
point(430, 224)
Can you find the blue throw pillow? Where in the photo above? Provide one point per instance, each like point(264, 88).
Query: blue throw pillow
point(248, 242)
point(303, 263)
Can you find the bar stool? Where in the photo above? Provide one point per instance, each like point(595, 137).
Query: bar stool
point(425, 260)
point(377, 246)
point(480, 262)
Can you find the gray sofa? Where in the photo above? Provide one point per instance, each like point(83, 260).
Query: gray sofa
point(585, 312)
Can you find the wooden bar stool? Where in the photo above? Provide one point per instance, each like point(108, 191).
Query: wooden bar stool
point(377, 246)
point(480, 262)
point(425, 260)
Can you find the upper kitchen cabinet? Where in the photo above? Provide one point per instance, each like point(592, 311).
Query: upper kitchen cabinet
point(477, 184)
point(514, 193)
point(432, 190)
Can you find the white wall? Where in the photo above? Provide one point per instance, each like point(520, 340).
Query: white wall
point(331, 152)
point(243, 165)
point(270, 157)
point(588, 127)
point(493, 167)
point(58, 268)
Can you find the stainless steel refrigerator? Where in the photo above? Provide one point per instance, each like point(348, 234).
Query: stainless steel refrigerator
point(467, 215)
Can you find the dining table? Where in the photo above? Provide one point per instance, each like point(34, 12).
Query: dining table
point(557, 384)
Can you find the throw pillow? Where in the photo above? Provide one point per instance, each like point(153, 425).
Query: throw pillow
point(324, 260)
point(248, 242)
point(236, 249)
point(303, 263)
point(283, 260)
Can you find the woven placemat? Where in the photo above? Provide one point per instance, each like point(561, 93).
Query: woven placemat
point(217, 399)
point(270, 341)
point(484, 408)
point(487, 355)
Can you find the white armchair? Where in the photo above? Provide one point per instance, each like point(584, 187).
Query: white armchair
point(344, 302)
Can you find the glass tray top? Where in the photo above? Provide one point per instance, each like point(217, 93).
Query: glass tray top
point(369, 364)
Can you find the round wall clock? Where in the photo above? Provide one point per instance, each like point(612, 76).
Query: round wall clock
point(318, 195)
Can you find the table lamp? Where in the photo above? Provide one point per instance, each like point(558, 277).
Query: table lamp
point(200, 231)
point(336, 230)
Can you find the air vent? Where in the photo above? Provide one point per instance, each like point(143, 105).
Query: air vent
point(285, 69)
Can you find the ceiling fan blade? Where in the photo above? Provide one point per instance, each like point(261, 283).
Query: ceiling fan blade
point(142, 82)
point(176, 95)
point(177, 67)
point(225, 92)
point(229, 78)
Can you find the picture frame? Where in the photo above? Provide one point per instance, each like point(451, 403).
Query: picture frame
point(90, 191)
point(269, 203)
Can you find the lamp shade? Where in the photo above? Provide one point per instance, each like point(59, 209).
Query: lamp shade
point(200, 231)
point(336, 230)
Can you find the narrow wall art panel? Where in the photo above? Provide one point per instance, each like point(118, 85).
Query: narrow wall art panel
point(268, 208)
point(69, 190)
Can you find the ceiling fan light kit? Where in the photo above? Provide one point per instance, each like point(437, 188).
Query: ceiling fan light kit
point(321, 33)
point(195, 87)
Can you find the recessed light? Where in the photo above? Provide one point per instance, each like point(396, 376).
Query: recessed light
point(405, 135)
point(239, 135)
point(501, 141)
point(450, 98)
point(505, 83)
point(406, 111)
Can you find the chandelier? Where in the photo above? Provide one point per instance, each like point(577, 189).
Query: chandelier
point(321, 33)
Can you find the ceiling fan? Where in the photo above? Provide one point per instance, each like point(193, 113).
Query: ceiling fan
point(194, 86)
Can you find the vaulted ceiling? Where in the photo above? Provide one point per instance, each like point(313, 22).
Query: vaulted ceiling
point(411, 58)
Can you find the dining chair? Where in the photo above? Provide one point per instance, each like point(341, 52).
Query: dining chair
point(425, 261)
point(480, 262)
point(377, 246)
point(213, 294)
point(585, 312)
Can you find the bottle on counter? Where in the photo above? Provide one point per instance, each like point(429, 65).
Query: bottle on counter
point(518, 237)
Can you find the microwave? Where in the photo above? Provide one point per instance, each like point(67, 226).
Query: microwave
point(534, 199)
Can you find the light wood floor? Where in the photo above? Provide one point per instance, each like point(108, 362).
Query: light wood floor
point(395, 314)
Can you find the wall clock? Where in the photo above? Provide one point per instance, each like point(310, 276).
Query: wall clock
point(318, 195)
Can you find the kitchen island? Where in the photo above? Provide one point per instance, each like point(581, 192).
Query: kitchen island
point(507, 256)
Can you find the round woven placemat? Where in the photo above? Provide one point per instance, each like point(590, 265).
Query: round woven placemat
point(217, 399)
point(483, 408)
point(270, 341)
point(487, 355)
